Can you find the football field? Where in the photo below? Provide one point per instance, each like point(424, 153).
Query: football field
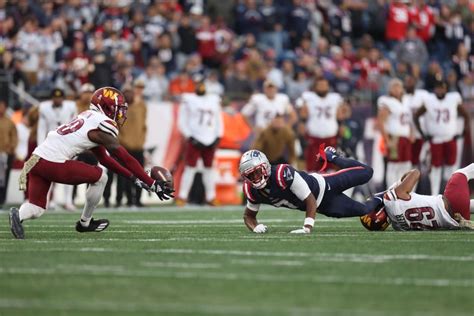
point(200, 261)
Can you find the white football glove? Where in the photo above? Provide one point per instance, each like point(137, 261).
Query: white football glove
point(260, 229)
point(304, 230)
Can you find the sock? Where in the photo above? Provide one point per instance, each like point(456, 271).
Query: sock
point(392, 173)
point(471, 206)
point(30, 211)
point(346, 162)
point(374, 203)
point(209, 183)
point(448, 172)
point(186, 182)
point(68, 190)
point(468, 171)
point(435, 180)
point(93, 195)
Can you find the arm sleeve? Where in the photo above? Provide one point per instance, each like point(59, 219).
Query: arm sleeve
point(299, 187)
point(133, 165)
point(249, 109)
point(42, 129)
point(110, 163)
point(183, 120)
point(220, 121)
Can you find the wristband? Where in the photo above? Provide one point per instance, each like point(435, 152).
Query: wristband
point(309, 221)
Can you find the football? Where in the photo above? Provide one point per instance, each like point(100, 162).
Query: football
point(161, 174)
point(375, 220)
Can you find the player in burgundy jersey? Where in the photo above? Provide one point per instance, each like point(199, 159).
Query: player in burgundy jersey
point(52, 161)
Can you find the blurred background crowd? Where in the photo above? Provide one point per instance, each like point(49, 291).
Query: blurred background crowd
point(157, 48)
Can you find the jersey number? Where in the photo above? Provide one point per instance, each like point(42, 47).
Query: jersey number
point(323, 112)
point(70, 127)
point(442, 116)
point(205, 117)
point(418, 214)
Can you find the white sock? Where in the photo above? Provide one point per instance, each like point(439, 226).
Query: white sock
point(468, 171)
point(186, 182)
point(392, 174)
point(68, 191)
point(209, 182)
point(30, 211)
point(471, 206)
point(435, 180)
point(448, 172)
point(93, 195)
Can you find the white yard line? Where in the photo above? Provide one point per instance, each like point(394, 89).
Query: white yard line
point(208, 309)
point(270, 278)
point(181, 265)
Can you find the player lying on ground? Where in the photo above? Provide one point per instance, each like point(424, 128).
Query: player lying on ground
point(97, 130)
point(283, 186)
point(406, 210)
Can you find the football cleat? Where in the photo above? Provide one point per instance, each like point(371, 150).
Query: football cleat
point(213, 203)
point(94, 226)
point(15, 224)
point(463, 223)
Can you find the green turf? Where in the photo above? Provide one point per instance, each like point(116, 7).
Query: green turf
point(205, 262)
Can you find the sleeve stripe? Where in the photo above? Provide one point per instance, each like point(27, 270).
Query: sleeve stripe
point(248, 192)
point(280, 181)
point(108, 130)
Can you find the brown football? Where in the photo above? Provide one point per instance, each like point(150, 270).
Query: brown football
point(161, 174)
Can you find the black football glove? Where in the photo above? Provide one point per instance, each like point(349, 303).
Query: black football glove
point(163, 189)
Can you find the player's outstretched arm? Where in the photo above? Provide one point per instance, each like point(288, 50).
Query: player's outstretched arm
point(311, 207)
point(114, 148)
point(409, 181)
point(250, 220)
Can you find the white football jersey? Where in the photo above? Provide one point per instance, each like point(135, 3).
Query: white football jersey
point(200, 117)
point(415, 101)
point(70, 139)
point(322, 113)
point(441, 116)
point(265, 109)
point(51, 117)
point(420, 212)
point(399, 121)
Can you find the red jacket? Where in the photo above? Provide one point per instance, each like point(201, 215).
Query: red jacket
point(397, 22)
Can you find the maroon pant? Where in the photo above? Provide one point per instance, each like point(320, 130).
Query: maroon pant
point(312, 150)
point(416, 151)
point(444, 153)
point(457, 193)
point(68, 172)
point(193, 153)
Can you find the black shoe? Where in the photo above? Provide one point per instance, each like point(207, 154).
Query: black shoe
point(139, 204)
point(15, 224)
point(94, 226)
point(106, 204)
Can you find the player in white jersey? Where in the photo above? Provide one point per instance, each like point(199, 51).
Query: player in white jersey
point(265, 106)
point(406, 210)
point(52, 114)
point(319, 111)
point(441, 111)
point(414, 99)
point(394, 121)
point(200, 123)
point(96, 130)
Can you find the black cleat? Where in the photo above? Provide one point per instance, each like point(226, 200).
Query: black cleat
point(94, 226)
point(15, 224)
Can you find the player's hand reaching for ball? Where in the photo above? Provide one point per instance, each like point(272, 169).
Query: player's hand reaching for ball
point(260, 229)
point(162, 190)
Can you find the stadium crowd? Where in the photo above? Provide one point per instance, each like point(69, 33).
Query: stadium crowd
point(158, 48)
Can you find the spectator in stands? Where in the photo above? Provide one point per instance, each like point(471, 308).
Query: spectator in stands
point(155, 81)
point(213, 86)
point(84, 101)
point(423, 17)
point(463, 63)
point(297, 85)
point(455, 32)
point(236, 83)
point(29, 41)
point(412, 50)
point(102, 65)
point(277, 141)
point(397, 22)
point(8, 142)
point(297, 22)
point(250, 20)
point(166, 53)
point(466, 86)
point(273, 34)
point(132, 137)
point(182, 83)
